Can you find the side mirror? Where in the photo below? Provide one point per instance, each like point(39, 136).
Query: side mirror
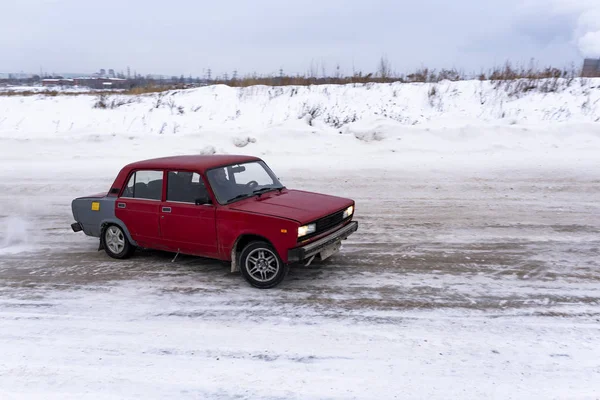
point(203, 200)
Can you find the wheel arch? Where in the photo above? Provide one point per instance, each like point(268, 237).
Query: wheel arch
point(242, 241)
point(114, 221)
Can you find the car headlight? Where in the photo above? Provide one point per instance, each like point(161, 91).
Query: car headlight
point(348, 211)
point(307, 229)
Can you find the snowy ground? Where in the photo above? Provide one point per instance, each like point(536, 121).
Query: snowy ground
point(474, 274)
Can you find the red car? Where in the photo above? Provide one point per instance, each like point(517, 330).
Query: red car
point(226, 207)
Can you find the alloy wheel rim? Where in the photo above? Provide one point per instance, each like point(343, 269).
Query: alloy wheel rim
point(115, 240)
point(262, 265)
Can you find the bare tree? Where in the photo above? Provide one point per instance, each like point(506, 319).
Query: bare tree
point(384, 68)
point(312, 72)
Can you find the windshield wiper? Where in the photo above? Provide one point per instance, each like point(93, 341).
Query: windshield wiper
point(262, 190)
point(256, 192)
point(239, 196)
point(267, 189)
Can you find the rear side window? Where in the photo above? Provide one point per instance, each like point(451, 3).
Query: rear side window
point(144, 185)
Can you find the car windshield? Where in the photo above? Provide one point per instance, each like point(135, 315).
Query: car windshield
point(239, 181)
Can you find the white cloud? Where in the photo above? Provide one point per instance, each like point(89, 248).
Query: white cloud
point(589, 44)
point(585, 34)
point(262, 36)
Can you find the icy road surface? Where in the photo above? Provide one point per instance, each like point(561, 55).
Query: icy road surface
point(462, 286)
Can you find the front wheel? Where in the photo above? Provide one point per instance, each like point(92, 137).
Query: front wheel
point(115, 242)
point(261, 266)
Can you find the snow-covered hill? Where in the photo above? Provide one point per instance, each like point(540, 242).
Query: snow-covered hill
point(394, 122)
point(327, 107)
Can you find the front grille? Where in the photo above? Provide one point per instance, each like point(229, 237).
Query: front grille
point(330, 221)
point(325, 223)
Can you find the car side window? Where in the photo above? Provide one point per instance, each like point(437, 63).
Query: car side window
point(144, 185)
point(186, 187)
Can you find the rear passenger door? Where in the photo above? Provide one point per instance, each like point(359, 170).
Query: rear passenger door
point(187, 216)
point(139, 205)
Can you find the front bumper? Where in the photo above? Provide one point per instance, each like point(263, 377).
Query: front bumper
point(304, 252)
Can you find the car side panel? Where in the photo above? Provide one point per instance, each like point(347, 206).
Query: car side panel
point(232, 224)
point(141, 217)
point(189, 228)
point(92, 217)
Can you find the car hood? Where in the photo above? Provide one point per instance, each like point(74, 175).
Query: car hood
point(297, 205)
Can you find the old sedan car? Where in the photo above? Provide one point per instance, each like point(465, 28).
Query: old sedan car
point(227, 207)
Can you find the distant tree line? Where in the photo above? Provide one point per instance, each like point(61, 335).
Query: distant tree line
point(317, 74)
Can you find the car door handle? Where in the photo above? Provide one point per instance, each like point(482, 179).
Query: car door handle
point(166, 209)
point(121, 205)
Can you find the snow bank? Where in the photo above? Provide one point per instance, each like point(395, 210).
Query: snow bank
point(358, 125)
point(330, 108)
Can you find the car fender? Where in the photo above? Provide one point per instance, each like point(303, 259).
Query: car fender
point(276, 235)
point(121, 224)
point(93, 213)
point(234, 265)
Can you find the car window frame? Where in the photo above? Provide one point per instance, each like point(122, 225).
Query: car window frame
point(203, 179)
point(135, 171)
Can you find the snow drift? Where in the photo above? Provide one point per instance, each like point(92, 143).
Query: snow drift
point(398, 124)
point(326, 108)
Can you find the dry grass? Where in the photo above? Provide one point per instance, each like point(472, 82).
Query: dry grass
point(506, 72)
point(50, 93)
point(152, 89)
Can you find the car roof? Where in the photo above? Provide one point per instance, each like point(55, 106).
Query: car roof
point(193, 162)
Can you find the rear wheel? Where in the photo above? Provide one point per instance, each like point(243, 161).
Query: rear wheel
point(115, 242)
point(261, 266)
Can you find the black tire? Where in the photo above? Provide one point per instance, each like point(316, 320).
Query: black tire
point(261, 266)
point(115, 242)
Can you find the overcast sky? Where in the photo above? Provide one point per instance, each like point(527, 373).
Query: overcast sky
point(189, 36)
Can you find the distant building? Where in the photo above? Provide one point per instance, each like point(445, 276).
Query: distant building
point(591, 68)
point(90, 82)
point(103, 83)
point(57, 82)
